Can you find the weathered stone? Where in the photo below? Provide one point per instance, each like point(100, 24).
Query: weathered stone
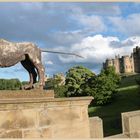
point(17, 119)
point(11, 134)
point(32, 133)
point(46, 117)
point(8, 94)
point(131, 123)
point(71, 130)
point(59, 115)
point(30, 57)
point(96, 127)
point(46, 132)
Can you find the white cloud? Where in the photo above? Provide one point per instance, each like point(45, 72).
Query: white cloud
point(95, 49)
point(90, 23)
point(93, 22)
point(129, 25)
point(49, 62)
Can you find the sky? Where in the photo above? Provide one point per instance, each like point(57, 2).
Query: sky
point(96, 31)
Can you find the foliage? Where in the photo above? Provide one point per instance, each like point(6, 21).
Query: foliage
point(76, 79)
point(60, 91)
point(55, 84)
point(24, 83)
point(10, 84)
point(82, 82)
point(129, 80)
point(52, 83)
point(104, 86)
point(126, 100)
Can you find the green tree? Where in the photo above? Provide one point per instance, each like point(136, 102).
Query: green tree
point(104, 86)
point(52, 83)
point(60, 91)
point(10, 84)
point(76, 78)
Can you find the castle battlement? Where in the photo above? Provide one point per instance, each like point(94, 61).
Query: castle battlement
point(126, 63)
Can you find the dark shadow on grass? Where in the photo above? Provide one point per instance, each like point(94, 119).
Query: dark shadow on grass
point(126, 100)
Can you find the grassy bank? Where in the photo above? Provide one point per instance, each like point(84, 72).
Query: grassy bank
point(127, 99)
point(129, 80)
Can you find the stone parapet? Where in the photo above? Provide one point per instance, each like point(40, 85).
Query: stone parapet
point(131, 124)
point(96, 127)
point(44, 117)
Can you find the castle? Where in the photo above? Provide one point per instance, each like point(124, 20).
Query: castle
point(125, 64)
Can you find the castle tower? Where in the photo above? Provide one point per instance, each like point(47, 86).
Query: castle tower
point(117, 64)
point(136, 59)
point(132, 62)
point(107, 63)
point(128, 66)
point(112, 62)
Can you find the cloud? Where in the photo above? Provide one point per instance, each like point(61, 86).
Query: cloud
point(95, 49)
point(91, 23)
point(49, 23)
point(49, 63)
point(95, 8)
point(129, 25)
point(71, 27)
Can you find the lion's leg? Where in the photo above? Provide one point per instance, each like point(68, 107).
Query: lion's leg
point(35, 57)
point(27, 64)
point(41, 74)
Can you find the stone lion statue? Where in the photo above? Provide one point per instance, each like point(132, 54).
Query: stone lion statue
point(30, 57)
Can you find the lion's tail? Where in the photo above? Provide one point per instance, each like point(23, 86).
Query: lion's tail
point(65, 53)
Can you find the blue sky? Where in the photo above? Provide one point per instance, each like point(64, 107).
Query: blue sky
point(94, 30)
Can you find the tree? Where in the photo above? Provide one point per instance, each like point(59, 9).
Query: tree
point(76, 78)
point(104, 86)
point(60, 91)
point(10, 84)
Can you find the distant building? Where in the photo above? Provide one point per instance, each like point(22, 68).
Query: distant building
point(125, 64)
point(60, 77)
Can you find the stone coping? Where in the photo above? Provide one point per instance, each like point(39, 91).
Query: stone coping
point(131, 113)
point(12, 94)
point(43, 99)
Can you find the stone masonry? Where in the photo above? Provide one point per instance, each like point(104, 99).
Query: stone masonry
point(43, 117)
point(125, 64)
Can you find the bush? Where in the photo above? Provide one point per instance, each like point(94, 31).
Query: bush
point(60, 91)
point(10, 84)
point(76, 78)
point(104, 86)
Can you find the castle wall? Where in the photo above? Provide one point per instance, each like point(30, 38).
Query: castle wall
point(136, 56)
point(116, 65)
point(125, 64)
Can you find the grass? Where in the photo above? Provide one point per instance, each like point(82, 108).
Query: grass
point(127, 99)
point(129, 80)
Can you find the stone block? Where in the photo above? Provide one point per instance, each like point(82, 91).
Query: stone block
point(44, 117)
point(131, 123)
point(46, 132)
point(11, 134)
point(17, 119)
point(32, 133)
point(96, 127)
point(59, 115)
point(73, 130)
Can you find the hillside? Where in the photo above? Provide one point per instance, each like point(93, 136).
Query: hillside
point(127, 99)
point(129, 80)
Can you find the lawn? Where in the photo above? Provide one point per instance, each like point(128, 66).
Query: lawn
point(129, 80)
point(127, 99)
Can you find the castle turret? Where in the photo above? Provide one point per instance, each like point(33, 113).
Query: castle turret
point(136, 59)
point(127, 64)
